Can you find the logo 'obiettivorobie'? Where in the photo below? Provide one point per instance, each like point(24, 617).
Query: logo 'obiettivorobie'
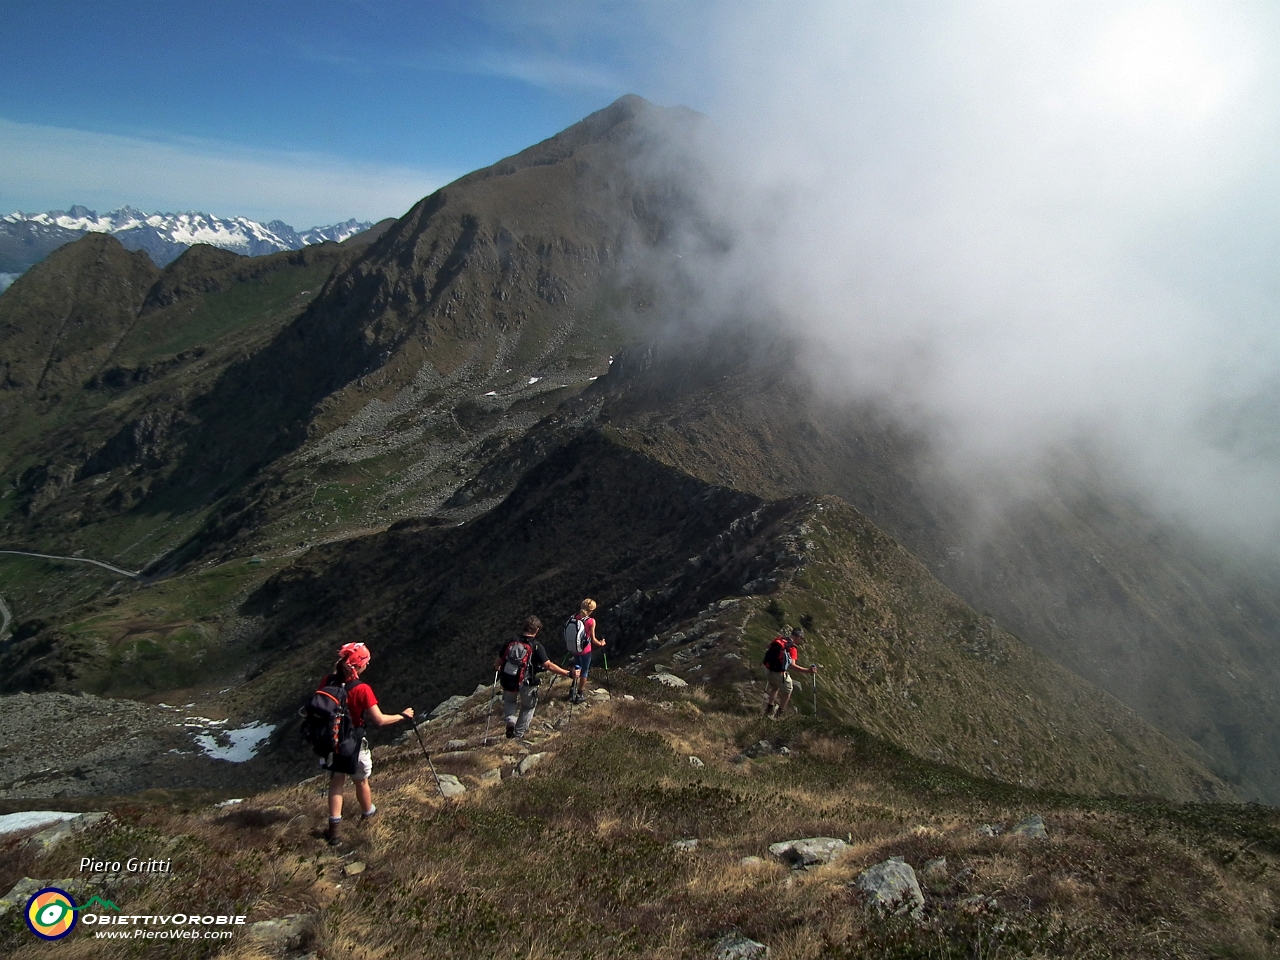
point(51, 913)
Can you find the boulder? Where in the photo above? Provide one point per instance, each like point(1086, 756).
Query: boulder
point(449, 706)
point(1032, 827)
point(892, 887)
point(283, 930)
point(811, 852)
point(354, 869)
point(529, 762)
point(668, 679)
point(760, 748)
point(599, 693)
point(450, 786)
point(48, 838)
point(491, 776)
point(696, 762)
point(455, 745)
point(737, 947)
point(684, 846)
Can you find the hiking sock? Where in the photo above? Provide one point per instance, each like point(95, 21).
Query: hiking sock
point(369, 813)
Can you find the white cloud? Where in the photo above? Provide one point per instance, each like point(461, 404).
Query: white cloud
point(545, 72)
point(1022, 227)
point(43, 168)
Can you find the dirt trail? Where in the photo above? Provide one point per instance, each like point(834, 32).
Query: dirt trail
point(136, 575)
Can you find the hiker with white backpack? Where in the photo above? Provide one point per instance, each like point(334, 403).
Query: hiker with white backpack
point(519, 661)
point(580, 640)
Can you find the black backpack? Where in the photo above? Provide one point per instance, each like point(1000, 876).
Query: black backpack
point(517, 656)
point(326, 721)
point(775, 656)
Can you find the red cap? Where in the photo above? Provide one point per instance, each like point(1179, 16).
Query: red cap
point(356, 654)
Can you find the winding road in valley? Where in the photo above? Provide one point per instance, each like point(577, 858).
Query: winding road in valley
point(136, 575)
point(6, 615)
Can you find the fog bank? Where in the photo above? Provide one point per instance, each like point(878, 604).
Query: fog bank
point(1019, 227)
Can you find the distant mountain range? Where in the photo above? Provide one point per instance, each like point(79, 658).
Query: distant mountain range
point(27, 238)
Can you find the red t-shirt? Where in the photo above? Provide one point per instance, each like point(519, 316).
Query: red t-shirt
point(359, 699)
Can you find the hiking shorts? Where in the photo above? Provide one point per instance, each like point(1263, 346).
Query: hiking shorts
point(780, 680)
point(358, 767)
point(582, 663)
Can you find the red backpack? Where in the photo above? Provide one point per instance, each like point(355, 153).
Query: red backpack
point(775, 656)
point(516, 657)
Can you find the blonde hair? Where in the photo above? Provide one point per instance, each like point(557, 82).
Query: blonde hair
point(588, 606)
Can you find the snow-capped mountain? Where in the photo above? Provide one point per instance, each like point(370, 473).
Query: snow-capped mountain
point(27, 238)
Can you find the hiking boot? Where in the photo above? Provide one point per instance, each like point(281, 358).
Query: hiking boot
point(511, 731)
point(768, 709)
point(333, 833)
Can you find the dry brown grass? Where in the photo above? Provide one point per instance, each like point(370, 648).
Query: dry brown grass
point(573, 861)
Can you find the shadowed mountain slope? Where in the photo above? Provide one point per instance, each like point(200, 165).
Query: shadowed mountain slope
point(80, 460)
point(60, 323)
point(1179, 633)
point(692, 574)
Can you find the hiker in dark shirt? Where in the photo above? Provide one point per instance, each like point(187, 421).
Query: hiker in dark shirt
point(519, 661)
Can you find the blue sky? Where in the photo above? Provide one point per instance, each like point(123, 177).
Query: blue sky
point(1019, 225)
point(308, 111)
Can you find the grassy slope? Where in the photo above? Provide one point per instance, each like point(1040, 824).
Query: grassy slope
point(115, 637)
point(906, 658)
point(573, 860)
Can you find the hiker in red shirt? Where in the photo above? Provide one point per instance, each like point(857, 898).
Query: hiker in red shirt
point(780, 659)
point(362, 706)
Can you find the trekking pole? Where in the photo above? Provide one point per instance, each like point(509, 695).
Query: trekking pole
point(428, 756)
point(814, 668)
point(493, 695)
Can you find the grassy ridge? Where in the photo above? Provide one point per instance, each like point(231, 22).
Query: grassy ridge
point(575, 859)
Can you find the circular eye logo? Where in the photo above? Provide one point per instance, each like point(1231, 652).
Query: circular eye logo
point(51, 913)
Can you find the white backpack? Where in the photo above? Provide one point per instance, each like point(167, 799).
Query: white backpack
point(575, 636)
